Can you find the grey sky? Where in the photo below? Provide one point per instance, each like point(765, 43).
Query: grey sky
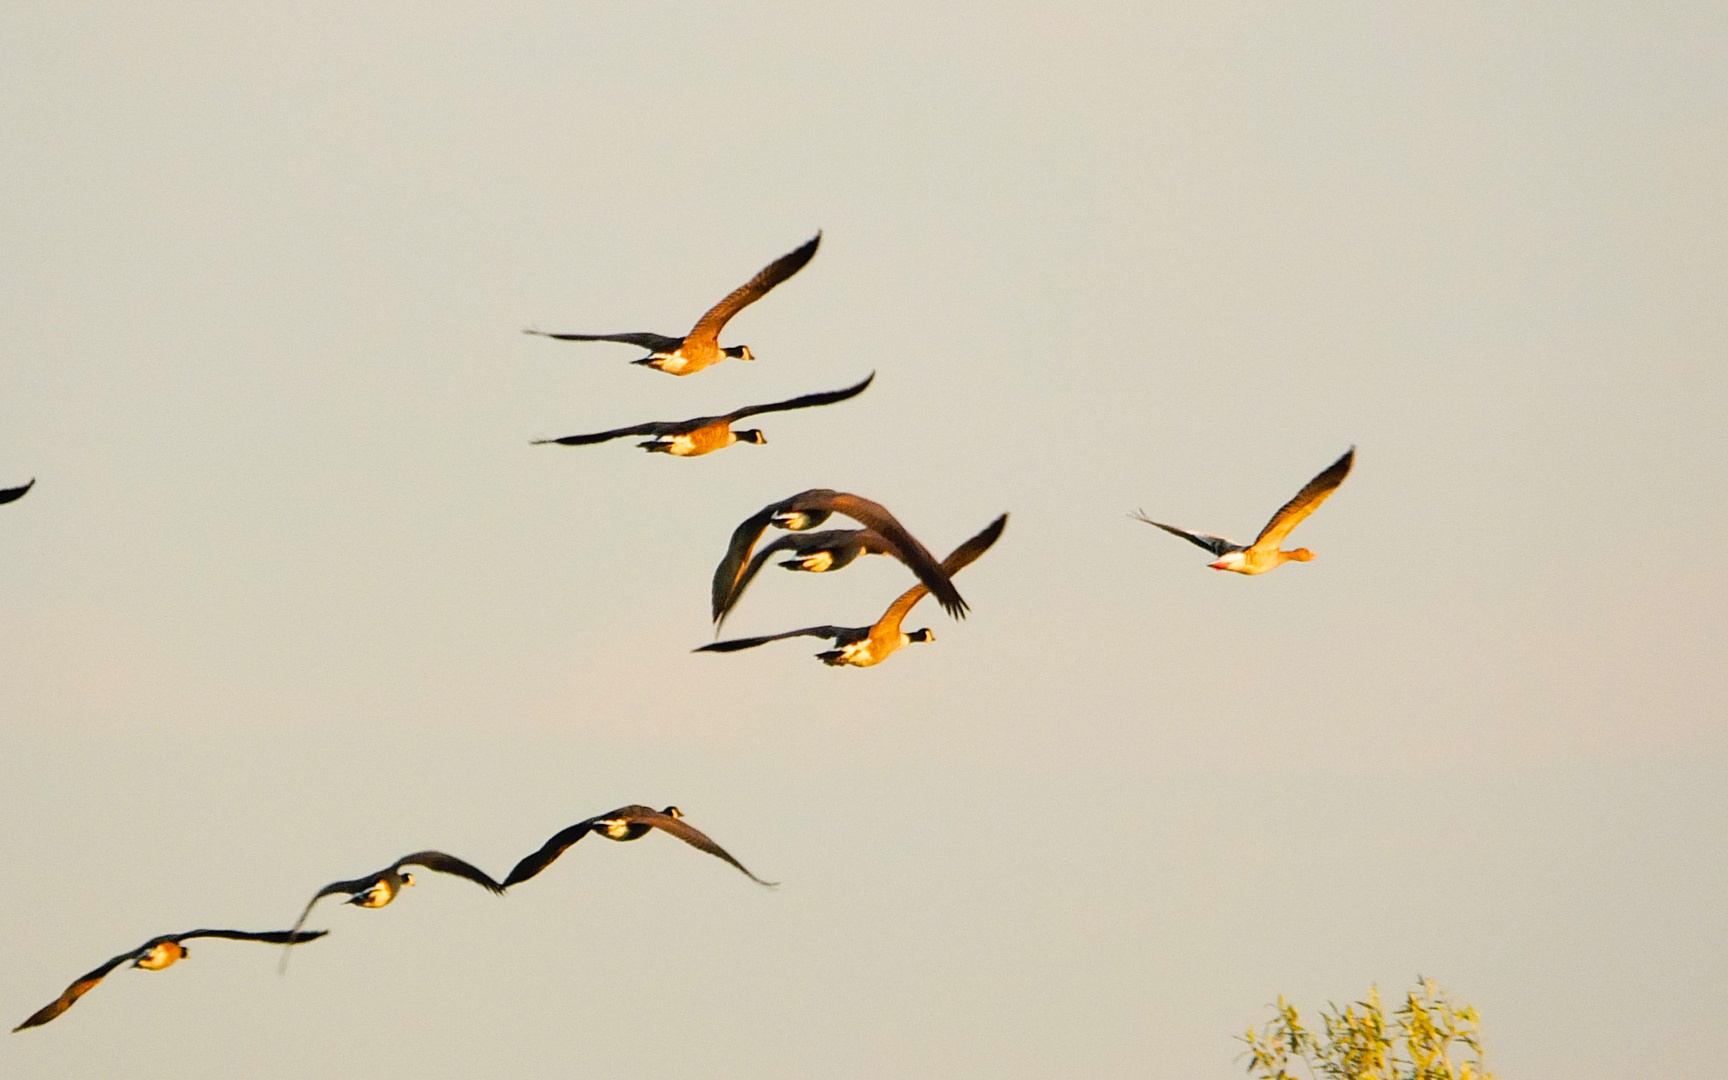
point(293, 596)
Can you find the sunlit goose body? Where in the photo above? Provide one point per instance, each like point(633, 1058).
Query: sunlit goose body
point(154, 955)
point(701, 347)
point(805, 511)
point(14, 494)
point(867, 646)
point(377, 890)
point(1264, 554)
point(625, 823)
point(706, 434)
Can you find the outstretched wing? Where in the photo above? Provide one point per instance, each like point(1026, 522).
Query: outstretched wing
point(450, 864)
point(1308, 500)
point(651, 342)
point(656, 428)
point(699, 840)
point(269, 937)
point(727, 574)
point(1217, 545)
point(957, 560)
point(833, 633)
point(808, 401)
point(549, 852)
point(13, 495)
point(901, 543)
point(84, 984)
point(708, 327)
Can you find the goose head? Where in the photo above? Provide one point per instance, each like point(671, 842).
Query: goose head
point(739, 352)
point(673, 812)
point(1300, 555)
point(925, 634)
point(752, 435)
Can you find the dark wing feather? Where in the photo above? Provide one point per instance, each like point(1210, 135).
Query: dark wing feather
point(549, 852)
point(788, 542)
point(957, 560)
point(699, 840)
point(651, 342)
point(450, 864)
point(1308, 500)
point(837, 634)
point(731, 566)
point(1217, 545)
point(808, 401)
point(656, 428)
point(13, 495)
point(902, 544)
point(83, 985)
point(269, 937)
point(708, 327)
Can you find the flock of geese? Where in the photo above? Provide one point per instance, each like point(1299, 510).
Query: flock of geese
point(806, 550)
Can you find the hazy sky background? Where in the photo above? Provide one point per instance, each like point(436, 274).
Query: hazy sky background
point(294, 596)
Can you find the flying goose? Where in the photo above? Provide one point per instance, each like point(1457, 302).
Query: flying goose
point(866, 646)
point(625, 823)
point(1263, 554)
point(376, 890)
point(814, 552)
point(14, 494)
point(701, 347)
point(154, 955)
point(808, 509)
point(706, 434)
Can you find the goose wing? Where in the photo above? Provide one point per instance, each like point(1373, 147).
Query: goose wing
point(1308, 500)
point(732, 564)
point(697, 839)
point(651, 342)
point(13, 495)
point(450, 864)
point(270, 937)
point(840, 635)
point(663, 427)
point(901, 543)
point(85, 983)
point(1217, 545)
point(349, 887)
point(957, 560)
point(708, 327)
point(807, 401)
point(789, 542)
point(549, 851)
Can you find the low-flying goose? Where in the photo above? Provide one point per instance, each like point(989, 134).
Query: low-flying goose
point(154, 955)
point(808, 509)
point(701, 346)
point(1263, 554)
point(376, 890)
point(867, 646)
point(814, 552)
point(624, 823)
point(14, 494)
point(706, 434)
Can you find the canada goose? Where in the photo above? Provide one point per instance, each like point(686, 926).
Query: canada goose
point(14, 494)
point(815, 552)
point(706, 434)
point(625, 823)
point(1263, 554)
point(376, 890)
point(701, 347)
point(154, 955)
point(867, 646)
point(808, 509)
